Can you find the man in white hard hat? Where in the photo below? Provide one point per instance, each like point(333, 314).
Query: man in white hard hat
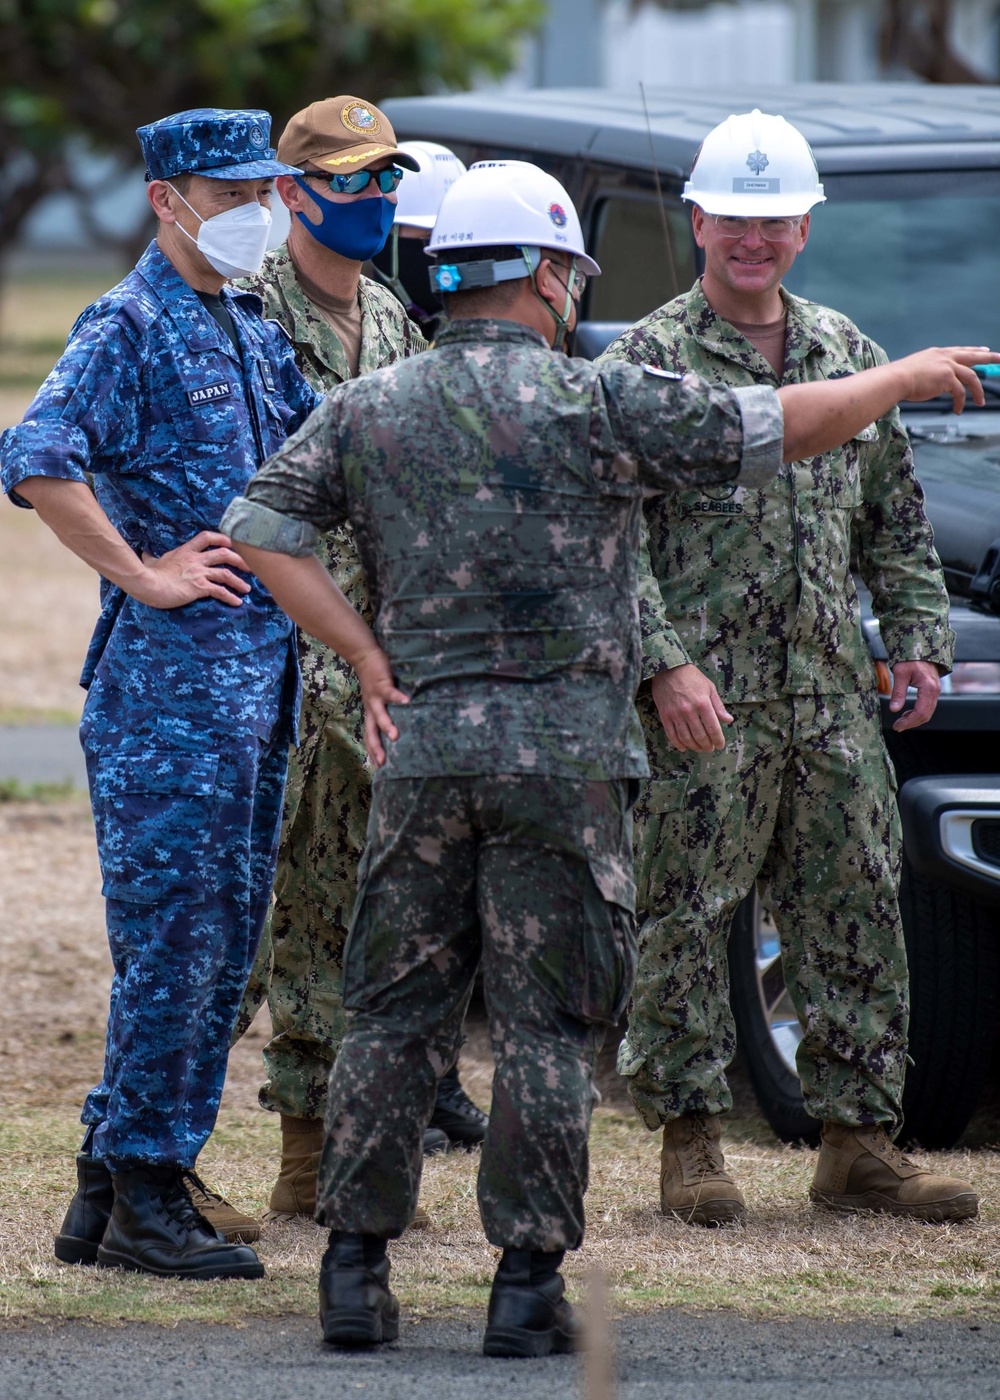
point(401, 264)
point(494, 489)
point(755, 627)
point(342, 325)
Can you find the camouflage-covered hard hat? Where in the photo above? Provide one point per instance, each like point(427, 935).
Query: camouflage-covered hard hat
point(211, 141)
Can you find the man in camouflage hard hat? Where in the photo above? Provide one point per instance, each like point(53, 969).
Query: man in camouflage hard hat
point(172, 391)
point(494, 489)
point(754, 626)
point(342, 325)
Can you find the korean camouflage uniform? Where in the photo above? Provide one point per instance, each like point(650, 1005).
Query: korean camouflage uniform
point(755, 588)
point(494, 491)
point(189, 710)
point(299, 965)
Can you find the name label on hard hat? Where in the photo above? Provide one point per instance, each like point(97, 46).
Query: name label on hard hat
point(747, 186)
point(209, 393)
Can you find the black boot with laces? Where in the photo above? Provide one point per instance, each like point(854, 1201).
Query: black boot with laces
point(456, 1114)
point(155, 1229)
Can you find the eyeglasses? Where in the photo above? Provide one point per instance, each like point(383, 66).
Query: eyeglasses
point(578, 285)
point(388, 180)
point(773, 230)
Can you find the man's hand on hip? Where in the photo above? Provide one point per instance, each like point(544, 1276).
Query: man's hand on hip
point(926, 681)
point(690, 709)
point(200, 568)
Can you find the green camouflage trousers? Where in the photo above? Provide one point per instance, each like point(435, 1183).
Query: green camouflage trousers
point(802, 801)
point(299, 965)
point(532, 876)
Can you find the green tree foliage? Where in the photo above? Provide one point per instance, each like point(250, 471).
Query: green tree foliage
point(94, 70)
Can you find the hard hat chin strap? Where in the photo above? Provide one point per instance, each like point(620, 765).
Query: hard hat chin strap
point(562, 321)
point(391, 280)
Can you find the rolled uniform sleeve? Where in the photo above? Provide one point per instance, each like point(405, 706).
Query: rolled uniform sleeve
point(763, 433)
point(298, 494)
point(84, 418)
point(674, 431)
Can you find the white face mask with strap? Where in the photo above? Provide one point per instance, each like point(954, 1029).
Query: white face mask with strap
point(235, 241)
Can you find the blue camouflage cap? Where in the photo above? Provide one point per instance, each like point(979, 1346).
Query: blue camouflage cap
point(211, 141)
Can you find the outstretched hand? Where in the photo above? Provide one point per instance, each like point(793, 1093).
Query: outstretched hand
point(948, 370)
point(378, 690)
point(202, 567)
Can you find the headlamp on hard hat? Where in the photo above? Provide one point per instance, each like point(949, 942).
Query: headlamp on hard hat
point(483, 272)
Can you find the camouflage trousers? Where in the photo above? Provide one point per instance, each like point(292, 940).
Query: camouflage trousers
point(802, 802)
point(533, 877)
point(187, 824)
point(299, 966)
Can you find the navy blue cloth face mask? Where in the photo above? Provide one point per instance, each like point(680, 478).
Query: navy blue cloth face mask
point(357, 230)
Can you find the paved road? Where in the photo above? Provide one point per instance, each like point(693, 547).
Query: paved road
point(666, 1356)
point(42, 754)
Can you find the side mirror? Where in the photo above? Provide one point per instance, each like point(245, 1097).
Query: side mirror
point(592, 338)
point(985, 586)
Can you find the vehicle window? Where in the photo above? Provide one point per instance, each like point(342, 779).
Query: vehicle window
point(911, 258)
point(640, 270)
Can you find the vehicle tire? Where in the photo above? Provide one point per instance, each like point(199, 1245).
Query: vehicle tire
point(953, 949)
point(767, 1029)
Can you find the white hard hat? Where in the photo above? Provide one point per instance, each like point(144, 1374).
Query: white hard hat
point(420, 192)
point(508, 203)
point(755, 165)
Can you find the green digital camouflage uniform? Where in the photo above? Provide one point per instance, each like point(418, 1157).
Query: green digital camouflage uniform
point(494, 489)
point(299, 965)
point(755, 588)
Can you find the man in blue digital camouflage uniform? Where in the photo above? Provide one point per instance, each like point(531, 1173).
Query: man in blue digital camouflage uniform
point(170, 394)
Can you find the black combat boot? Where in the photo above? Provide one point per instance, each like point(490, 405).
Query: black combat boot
point(154, 1229)
point(356, 1308)
point(528, 1314)
point(88, 1214)
point(456, 1114)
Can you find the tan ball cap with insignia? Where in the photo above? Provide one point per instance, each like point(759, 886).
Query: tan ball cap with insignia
point(342, 134)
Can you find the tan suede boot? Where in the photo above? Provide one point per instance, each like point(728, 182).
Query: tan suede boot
point(859, 1169)
point(694, 1183)
point(294, 1193)
point(222, 1215)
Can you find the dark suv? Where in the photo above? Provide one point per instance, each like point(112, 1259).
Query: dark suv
point(907, 246)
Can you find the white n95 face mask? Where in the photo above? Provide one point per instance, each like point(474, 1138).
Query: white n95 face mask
point(235, 241)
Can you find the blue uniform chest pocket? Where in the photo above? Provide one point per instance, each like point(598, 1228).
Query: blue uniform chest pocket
point(154, 810)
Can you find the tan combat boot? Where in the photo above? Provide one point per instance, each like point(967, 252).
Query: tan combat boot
point(294, 1193)
point(231, 1224)
point(860, 1169)
point(694, 1183)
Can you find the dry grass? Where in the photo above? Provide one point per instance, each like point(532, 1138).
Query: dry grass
point(789, 1261)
